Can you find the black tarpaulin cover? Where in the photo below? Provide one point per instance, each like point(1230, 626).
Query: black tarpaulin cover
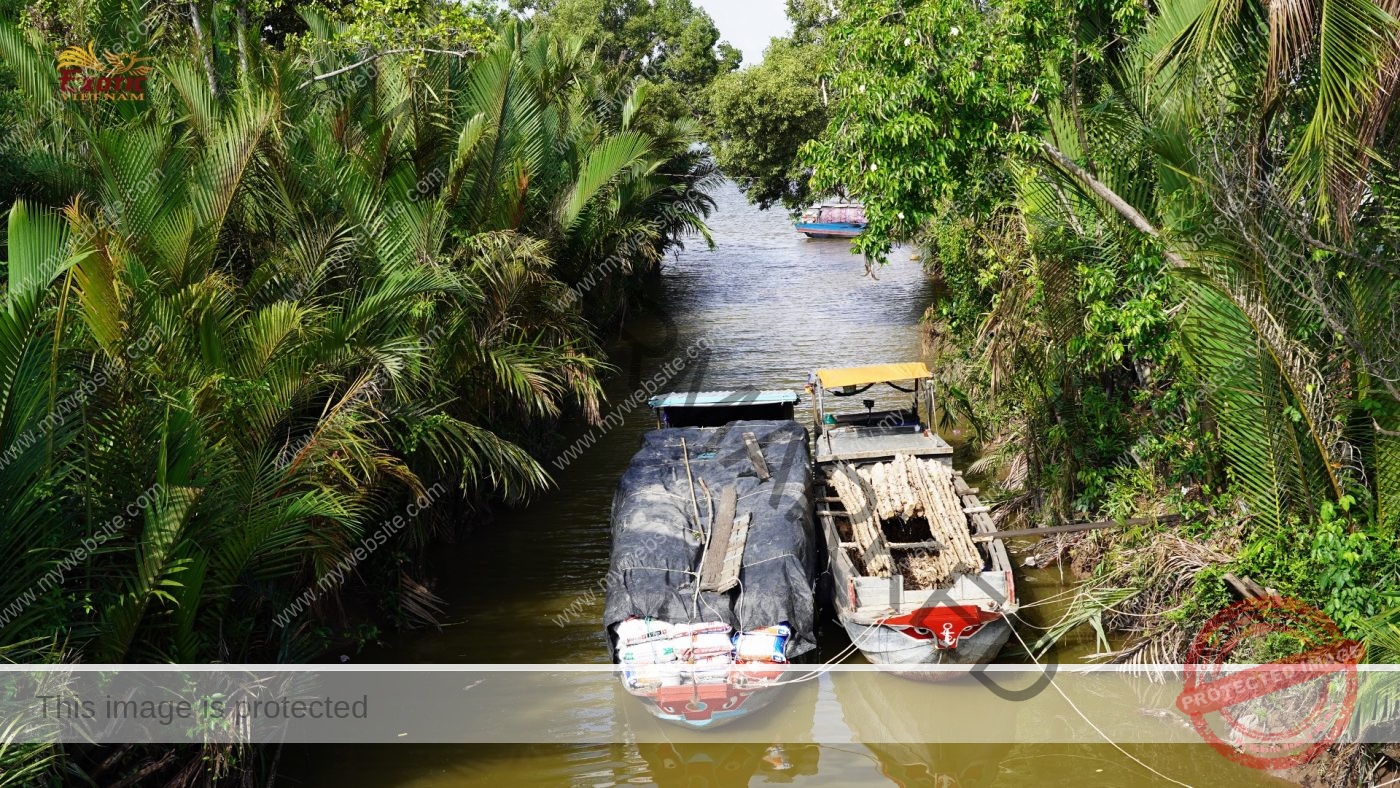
point(657, 546)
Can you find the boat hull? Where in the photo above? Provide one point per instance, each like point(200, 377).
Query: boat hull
point(706, 706)
point(682, 666)
point(890, 646)
point(831, 230)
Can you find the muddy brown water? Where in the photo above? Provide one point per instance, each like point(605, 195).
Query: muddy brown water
point(772, 306)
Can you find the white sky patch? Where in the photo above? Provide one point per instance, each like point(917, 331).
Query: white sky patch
point(748, 24)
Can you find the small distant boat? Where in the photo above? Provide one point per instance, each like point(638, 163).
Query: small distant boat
point(919, 575)
point(845, 220)
point(710, 589)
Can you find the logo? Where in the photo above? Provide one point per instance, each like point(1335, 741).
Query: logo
point(117, 76)
point(1280, 713)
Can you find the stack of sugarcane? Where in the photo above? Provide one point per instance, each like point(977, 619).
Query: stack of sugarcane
point(895, 491)
point(908, 487)
point(861, 504)
point(946, 520)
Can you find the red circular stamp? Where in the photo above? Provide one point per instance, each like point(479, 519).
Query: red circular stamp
point(1275, 714)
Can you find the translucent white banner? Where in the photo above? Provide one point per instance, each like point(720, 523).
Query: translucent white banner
point(1287, 706)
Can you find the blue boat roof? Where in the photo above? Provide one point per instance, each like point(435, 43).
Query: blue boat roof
point(705, 399)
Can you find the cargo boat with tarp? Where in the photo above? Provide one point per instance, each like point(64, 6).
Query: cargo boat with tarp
point(918, 573)
point(711, 584)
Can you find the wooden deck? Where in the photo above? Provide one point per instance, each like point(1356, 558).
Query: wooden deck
point(873, 443)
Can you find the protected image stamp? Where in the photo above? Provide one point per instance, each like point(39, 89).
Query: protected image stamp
point(1278, 713)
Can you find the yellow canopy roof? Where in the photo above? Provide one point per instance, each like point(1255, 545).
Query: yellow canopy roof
point(878, 373)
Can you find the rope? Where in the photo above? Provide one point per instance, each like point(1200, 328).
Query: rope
point(835, 660)
point(1084, 717)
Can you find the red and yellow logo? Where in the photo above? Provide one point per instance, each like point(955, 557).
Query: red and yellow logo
point(117, 76)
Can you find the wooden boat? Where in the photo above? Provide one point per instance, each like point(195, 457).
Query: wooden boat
point(844, 220)
point(710, 589)
point(918, 574)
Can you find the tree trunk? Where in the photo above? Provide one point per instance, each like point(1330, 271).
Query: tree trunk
point(1074, 107)
point(1120, 205)
point(243, 38)
point(205, 48)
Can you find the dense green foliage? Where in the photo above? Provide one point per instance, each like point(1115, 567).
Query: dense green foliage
point(299, 302)
point(673, 43)
point(944, 92)
point(251, 319)
point(760, 117)
point(1167, 239)
point(384, 25)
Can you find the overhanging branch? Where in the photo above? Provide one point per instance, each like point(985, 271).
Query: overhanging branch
point(1114, 200)
point(377, 55)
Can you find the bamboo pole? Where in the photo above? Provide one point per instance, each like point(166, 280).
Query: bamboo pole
point(860, 501)
point(944, 511)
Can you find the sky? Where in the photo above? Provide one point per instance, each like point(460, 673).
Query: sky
point(748, 24)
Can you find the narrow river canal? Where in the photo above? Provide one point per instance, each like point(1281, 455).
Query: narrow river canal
point(525, 588)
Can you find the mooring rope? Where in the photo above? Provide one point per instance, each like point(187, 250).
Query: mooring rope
point(1085, 717)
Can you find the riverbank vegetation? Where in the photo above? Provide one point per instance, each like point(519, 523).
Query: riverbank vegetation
point(316, 277)
point(1167, 237)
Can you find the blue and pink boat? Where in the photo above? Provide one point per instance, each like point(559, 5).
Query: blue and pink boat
point(846, 220)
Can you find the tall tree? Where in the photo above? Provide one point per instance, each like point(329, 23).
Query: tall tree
point(761, 116)
point(671, 42)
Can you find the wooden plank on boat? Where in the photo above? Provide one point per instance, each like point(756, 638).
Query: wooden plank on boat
point(712, 567)
point(1070, 528)
point(896, 591)
point(982, 589)
point(960, 485)
point(733, 556)
point(734, 560)
point(842, 570)
point(882, 454)
point(756, 456)
point(997, 549)
point(936, 486)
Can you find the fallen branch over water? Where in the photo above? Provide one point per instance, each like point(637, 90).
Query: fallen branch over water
point(1052, 530)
